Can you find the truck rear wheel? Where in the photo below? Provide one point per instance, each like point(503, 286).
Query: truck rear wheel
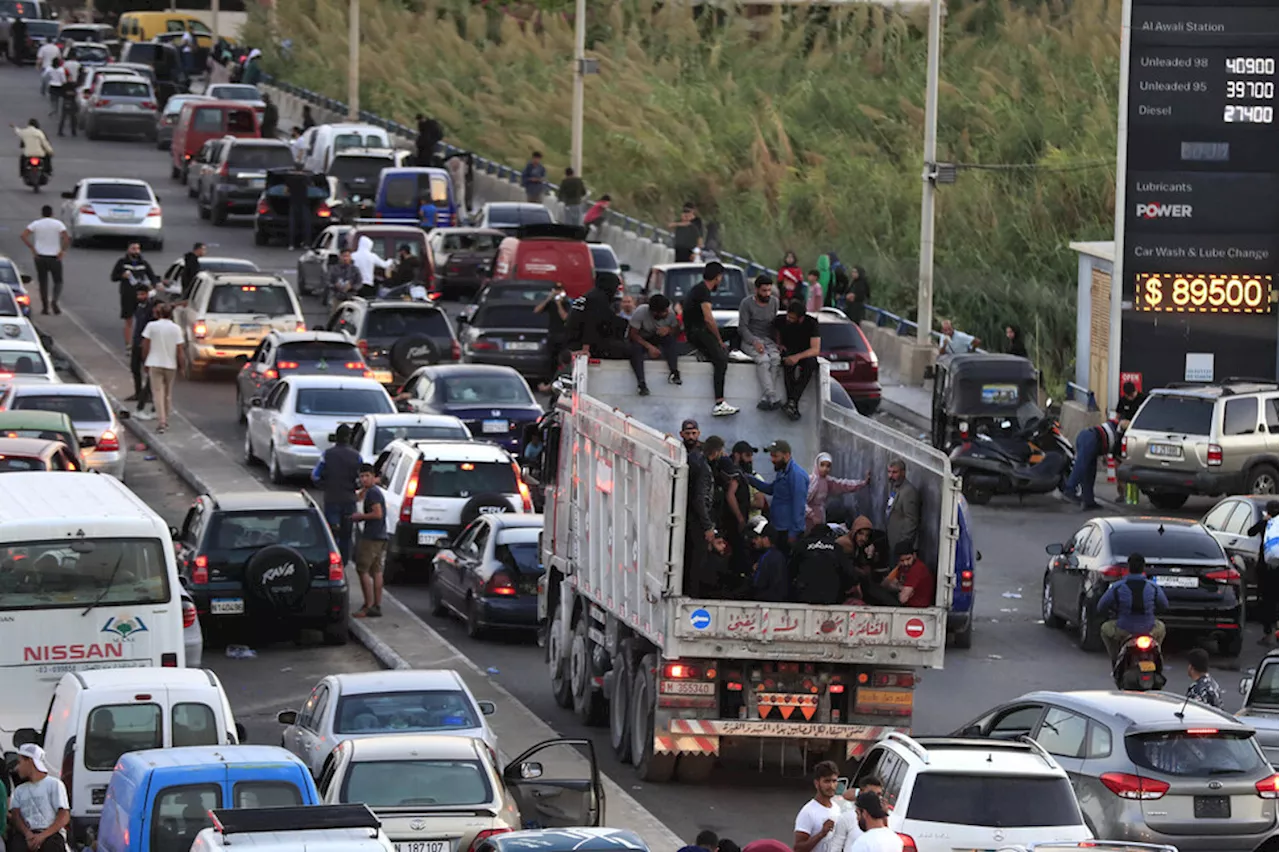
point(558, 661)
point(620, 702)
point(655, 768)
point(588, 703)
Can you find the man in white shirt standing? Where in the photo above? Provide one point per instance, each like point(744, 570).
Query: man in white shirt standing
point(162, 355)
point(873, 819)
point(47, 238)
point(817, 819)
point(40, 809)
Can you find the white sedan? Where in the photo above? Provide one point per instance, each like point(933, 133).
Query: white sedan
point(294, 425)
point(114, 208)
point(376, 704)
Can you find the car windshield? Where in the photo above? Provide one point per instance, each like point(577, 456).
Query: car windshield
point(341, 402)
point(416, 783)
point(1190, 542)
point(384, 435)
point(512, 316)
point(81, 409)
point(84, 571)
point(260, 299)
point(396, 323)
point(603, 258)
point(117, 192)
point(358, 169)
point(487, 390)
point(466, 479)
point(1265, 688)
point(314, 351)
point(1186, 415)
point(236, 93)
point(297, 528)
point(841, 335)
point(124, 89)
point(464, 241)
point(730, 293)
point(996, 801)
point(1196, 752)
point(512, 215)
point(410, 191)
point(22, 362)
point(413, 711)
point(260, 157)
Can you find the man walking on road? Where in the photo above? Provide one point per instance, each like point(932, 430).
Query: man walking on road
point(704, 335)
point(163, 356)
point(48, 240)
point(372, 549)
point(337, 474)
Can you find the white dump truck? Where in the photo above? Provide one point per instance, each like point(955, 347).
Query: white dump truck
point(678, 678)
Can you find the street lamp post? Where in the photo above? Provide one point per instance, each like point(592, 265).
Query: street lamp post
point(579, 70)
point(924, 309)
point(353, 61)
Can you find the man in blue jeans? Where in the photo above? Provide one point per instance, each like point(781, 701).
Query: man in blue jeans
point(337, 474)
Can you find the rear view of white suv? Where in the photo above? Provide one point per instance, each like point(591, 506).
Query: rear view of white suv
point(947, 794)
point(435, 488)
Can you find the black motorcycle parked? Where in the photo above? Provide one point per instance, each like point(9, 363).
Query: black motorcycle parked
point(1139, 665)
point(1035, 460)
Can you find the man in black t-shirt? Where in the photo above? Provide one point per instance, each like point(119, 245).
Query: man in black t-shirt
point(801, 344)
point(704, 335)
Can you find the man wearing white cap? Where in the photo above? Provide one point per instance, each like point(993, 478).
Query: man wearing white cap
point(40, 809)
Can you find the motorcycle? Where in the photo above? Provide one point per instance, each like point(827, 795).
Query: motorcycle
point(1139, 665)
point(33, 173)
point(1037, 460)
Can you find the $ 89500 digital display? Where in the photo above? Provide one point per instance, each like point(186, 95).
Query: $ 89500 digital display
point(1202, 293)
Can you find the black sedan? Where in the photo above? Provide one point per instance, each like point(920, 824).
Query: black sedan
point(489, 575)
point(494, 402)
point(1203, 586)
point(508, 334)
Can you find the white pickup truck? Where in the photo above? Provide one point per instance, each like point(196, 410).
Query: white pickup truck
point(678, 678)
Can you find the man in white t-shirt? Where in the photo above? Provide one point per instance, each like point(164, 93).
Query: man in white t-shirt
point(162, 355)
point(48, 240)
point(40, 809)
point(873, 819)
point(847, 829)
point(817, 819)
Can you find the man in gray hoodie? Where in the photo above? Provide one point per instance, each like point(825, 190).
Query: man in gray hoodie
point(756, 314)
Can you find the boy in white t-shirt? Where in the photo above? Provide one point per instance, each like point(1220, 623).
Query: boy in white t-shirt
point(817, 819)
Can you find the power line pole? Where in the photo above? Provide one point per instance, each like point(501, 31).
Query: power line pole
point(579, 71)
point(353, 61)
point(924, 298)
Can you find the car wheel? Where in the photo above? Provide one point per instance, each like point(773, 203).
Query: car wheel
point(277, 475)
point(249, 458)
point(475, 626)
point(1261, 480)
point(1046, 604)
point(1166, 501)
point(1089, 629)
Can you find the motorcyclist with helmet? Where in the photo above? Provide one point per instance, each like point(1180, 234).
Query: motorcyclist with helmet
point(1135, 600)
point(33, 143)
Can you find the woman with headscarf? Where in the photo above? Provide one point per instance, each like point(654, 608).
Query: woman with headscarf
point(790, 275)
point(1014, 344)
point(823, 485)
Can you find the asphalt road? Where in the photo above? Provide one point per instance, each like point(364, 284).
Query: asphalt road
point(1012, 652)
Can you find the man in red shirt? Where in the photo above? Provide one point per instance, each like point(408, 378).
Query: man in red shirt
point(911, 578)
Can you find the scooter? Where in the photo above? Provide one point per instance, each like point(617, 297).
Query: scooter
point(1035, 463)
point(33, 173)
point(1139, 665)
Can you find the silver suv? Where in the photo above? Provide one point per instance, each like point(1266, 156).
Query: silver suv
point(1204, 439)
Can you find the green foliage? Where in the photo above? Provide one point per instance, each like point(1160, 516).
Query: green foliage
point(797, 130)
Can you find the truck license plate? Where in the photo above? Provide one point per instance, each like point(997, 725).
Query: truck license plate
point(226, 606)
point(1175, 582)
point(495, 427)
point(424, 846)
point(684, 687)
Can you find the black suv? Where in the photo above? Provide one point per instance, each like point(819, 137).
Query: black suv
point(263, 555)
point(397, 337)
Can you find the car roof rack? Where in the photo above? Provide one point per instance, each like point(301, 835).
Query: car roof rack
point(305, 818)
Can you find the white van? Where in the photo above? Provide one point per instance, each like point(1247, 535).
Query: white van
point(87, 581)
point(96, 716)
point(321, 142)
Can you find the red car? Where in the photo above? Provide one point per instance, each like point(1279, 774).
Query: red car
point(853, 362)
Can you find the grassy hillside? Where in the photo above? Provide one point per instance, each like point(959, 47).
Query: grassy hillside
point(804, 134)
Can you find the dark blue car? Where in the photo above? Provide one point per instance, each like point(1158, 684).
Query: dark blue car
point(495, 402)
point(13, 278)
point(960, 618)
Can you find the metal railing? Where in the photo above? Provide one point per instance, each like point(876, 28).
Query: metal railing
point(645, 230)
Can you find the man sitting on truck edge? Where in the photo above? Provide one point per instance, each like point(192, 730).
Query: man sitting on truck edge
point(40, 809)
point(789, 490)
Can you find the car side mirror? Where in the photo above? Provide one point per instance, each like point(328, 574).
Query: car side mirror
point(23, 736)
point(287, 717)
point(255, 403)
point(1246, 684)
point(1053, 549)
point(68, 195)
point(488, 708)
point(530, 769)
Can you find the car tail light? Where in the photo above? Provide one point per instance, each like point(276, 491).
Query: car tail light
point(87, 210)
point(966, 581)
point(483, 835)
point(299, 438)
point(108, 443)
point(263, 208)
point(101, 102)
point(188, 614)
point(908, 842)
point(526, 497)
point(336, 569)
point(200, 329)
point(1144, 643)
point(500, 584)
point(154, 211)
point(1115, 572)
point(1128, 786)
point(323, 211)
point(287, 365)
point(681, 671)
point(484, 346)
point(1224, 575)
point(410, 491)
point(1269, 787)
point(1215, 455)
point(200, 573)
point(148, 104)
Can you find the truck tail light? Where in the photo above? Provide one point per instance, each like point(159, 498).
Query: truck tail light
point(298, 437)
point(108, 443)
point(1215, 455)
point(410, 491)
point(200, 573)
point(500, 584)
point(336, 569)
